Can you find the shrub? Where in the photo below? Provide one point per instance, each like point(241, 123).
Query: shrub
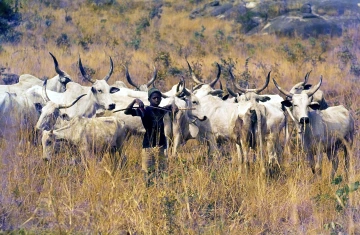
point(63, 41)
point(142, 24)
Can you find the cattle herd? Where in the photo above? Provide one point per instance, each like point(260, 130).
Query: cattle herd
point(90, 118)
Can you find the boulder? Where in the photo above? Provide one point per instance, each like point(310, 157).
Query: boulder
point(303, 26)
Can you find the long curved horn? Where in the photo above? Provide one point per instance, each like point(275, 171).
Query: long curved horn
point(83, 73)
point(231, 92)
point(128, 78)
point(153, 77)
point(315, 88)
point(106, 78)
point(44, 93)
point(186, 92)
point(288, 94)
point(212, 84)
point(194, 78)
point(257, 91)
point(232, 77)
point(57, 69)
point(306, 78)
point(74, 102)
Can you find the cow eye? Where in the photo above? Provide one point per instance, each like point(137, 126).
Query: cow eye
point(100, 91)
point(194, 102)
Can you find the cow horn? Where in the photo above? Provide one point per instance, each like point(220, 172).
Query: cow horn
point(194, 78)
point(153, 78)
point(231, 92)
point(107, 77)
point(232, 77)
point(186, 92)
point(128, 78)
point(74, 102)
point(306, 78)
point(83, 73)
point(315, 88)
point(45, 95)
point(57, 69)
point(288, 94)
point(257, 91)
point(212, 84)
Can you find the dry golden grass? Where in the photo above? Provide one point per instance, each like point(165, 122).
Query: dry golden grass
point(196, 197)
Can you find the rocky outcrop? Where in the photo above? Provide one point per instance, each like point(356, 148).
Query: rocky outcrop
point(302, 18)
point(301, 25)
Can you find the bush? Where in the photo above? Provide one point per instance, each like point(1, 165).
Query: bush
point(8, 19)
point(63, 41)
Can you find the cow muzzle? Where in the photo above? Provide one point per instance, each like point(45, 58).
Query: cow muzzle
point(111, 107)
point(304, 120)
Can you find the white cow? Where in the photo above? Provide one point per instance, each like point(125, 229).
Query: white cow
point(18, 115)
point(272, 114)
point(57, 83)
point(51, 110)
point(321, 130)
point(98, 97)
point(89, 135)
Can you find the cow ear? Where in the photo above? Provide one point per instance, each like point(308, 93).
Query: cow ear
point(114, 89)
point(225, 97)
point(286, 103)
point(314, 105)
point(65, 117)
point(307, 86)
point(93, 90)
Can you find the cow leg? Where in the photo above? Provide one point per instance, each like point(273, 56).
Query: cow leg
point(319, 156)
point(310, 158)
point(176, 144)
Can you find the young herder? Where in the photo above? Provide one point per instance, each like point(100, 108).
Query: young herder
point(154, 141)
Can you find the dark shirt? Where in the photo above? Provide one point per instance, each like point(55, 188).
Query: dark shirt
point(153, 122)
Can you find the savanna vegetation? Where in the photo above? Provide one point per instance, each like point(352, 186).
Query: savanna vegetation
point(197, 196)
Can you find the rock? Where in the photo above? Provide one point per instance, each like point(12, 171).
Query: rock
point(219, 10)
point(289, 25)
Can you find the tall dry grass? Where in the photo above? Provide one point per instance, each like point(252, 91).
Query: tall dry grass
point(196, 197)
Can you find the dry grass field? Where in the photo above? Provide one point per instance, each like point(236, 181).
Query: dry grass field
point(196, 197)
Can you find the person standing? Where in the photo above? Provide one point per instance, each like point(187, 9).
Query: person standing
point(153, 157)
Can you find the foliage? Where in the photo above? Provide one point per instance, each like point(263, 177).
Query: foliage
point(343, 191)
point(9, 19)
point(63, 41)
point(200, 34)
point(142, 24)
